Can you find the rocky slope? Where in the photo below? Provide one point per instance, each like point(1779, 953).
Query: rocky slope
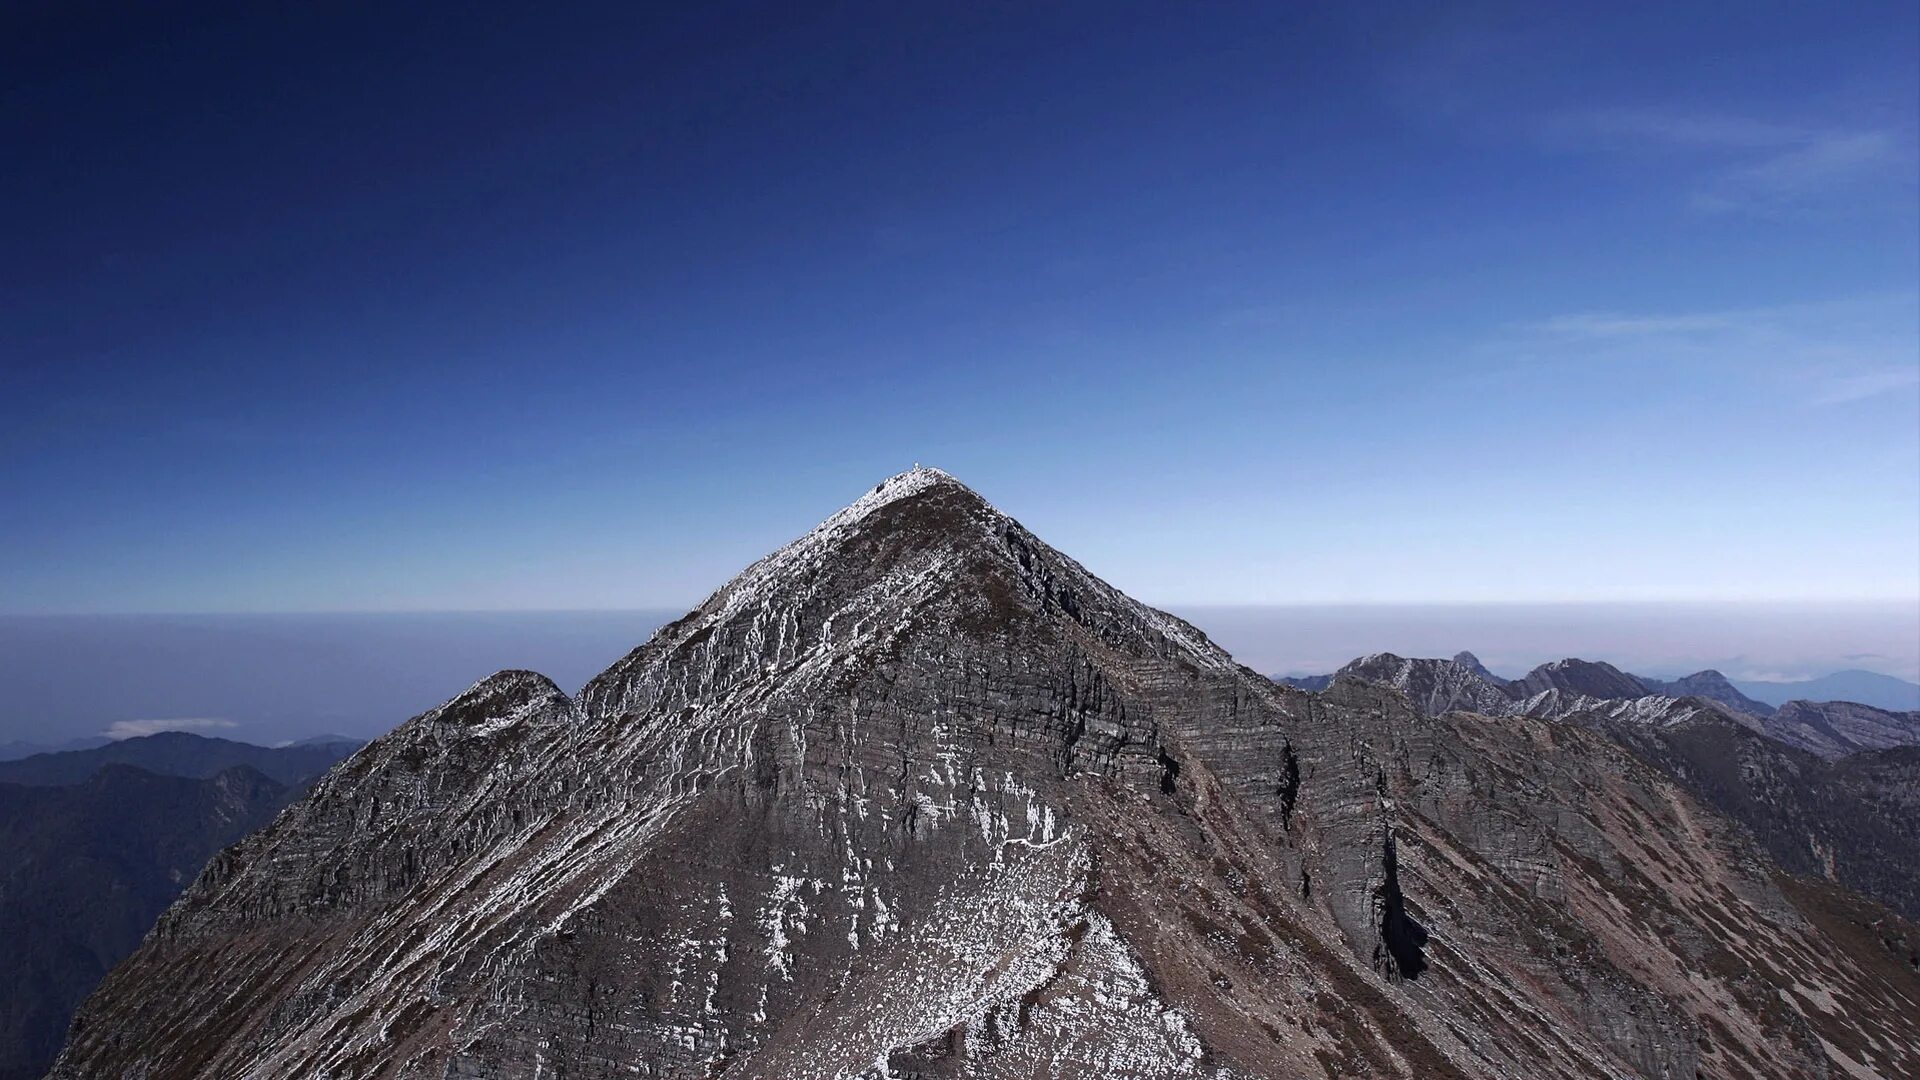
point(1849, 821)
point(919, 796)
point(1836, 728)
point(1855, 821)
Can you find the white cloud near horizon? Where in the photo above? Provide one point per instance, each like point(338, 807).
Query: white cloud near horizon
point(133, 729)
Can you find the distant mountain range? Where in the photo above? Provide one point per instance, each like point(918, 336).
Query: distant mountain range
point(1562, 688)
point(99, 841)
point(15, 749)
point(179, 753)
point(1865, 687)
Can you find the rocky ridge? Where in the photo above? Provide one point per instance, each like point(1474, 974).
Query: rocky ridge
point(1565, 688)
point(919, 796)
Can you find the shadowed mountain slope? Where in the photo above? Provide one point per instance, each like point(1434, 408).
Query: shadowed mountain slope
point(917, 795)
point(88, 869)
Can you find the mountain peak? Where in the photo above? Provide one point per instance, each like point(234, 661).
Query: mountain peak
point(918, 794)
point(1591, 678)
point(914, 480)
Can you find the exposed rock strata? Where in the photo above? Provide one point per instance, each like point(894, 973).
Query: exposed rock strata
point(919, 796)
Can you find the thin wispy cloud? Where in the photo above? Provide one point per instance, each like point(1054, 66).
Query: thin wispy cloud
point(1744, 164)
point(1832, 163)
point(1621, 128)
point(1825, 353)
point(1842, 389)
point(133, 729)
point(1595, 325)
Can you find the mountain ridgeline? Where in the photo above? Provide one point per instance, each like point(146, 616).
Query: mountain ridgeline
point(1566, 687)
point(918, 796)
point(180, 753)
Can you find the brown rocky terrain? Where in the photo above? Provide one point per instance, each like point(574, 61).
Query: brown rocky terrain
point(918, 796)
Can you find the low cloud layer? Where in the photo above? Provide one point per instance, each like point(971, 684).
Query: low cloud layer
point(132, 729)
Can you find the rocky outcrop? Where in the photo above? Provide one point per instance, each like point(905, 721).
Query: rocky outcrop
point(918, 795)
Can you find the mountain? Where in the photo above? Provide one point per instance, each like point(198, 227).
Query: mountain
point(1587, 678)
point(918, 795)
point(177, 753)
point(1837, 728)
point(98, 847)
point(1768, 771)
point(1472, 663)
point(88, 868)
point(1591, 690)
point(329, 740)
point(1434, 686)
point(1864, 687)
point(20, 748)
point(1854, 821)
point(1711, 685)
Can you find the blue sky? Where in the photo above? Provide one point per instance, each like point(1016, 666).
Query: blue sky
point(330, 309)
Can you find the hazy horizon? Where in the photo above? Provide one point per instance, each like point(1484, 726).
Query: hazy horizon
point(273, 677)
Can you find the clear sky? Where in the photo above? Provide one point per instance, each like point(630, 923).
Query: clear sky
point(382, 307)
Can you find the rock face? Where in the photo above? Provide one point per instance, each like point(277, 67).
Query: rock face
point(917, 796)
